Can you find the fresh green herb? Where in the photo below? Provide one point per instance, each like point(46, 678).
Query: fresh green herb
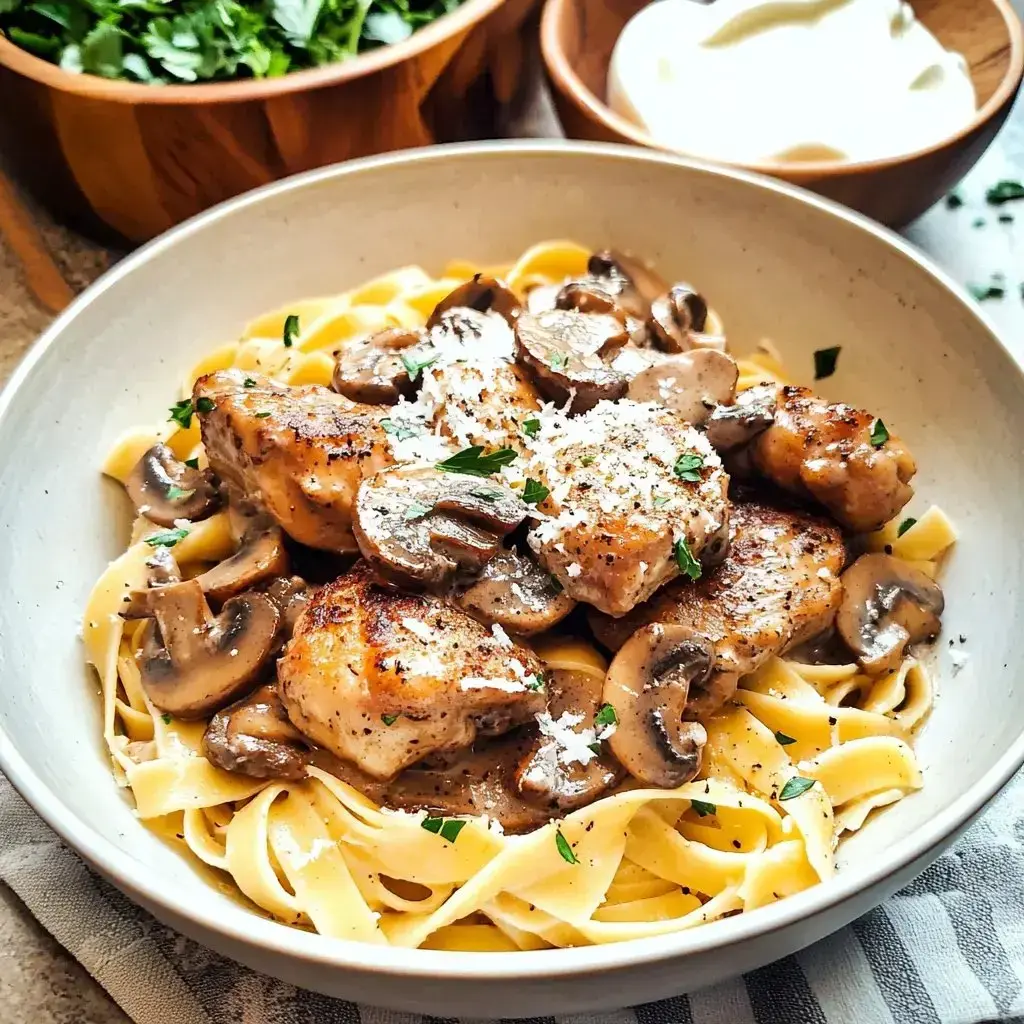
point(564, 849)
point(795, 786)
point(783, 740)
point(605, 716)
point(446, 828)
point(979, 222)
point(192, 463)
point(262, 415)
point(160, 41)
point(399, 431)
point(1005, 218)
point(417, 511)
point(595, 747)
point(535, 683)
point(181, 412)
point(556, 584)
point(414, 367)
point(586, 460)
point(534, 492)
point(687, 465)
point(167, 538)
point(531, 426)
point(486, 493)
point(986, 291)
point(559, 361)
point(879, 434)
point(703, 808)
point(904, 526)
point(473, 462)
point(661, 500)
point(1004, 192)
point(390, 719)
point(165, 718)
point(291, 330)
point(825, 360)
point(205, 405)
point(248, 383)
point(175, 493)
point(954, 200)
point(688, 565)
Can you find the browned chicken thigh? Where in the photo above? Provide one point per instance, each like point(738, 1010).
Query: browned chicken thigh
point(383, 679)
point(300, 453)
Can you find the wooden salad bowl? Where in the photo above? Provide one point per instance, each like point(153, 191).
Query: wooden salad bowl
point(125, 161)
point(578, 36)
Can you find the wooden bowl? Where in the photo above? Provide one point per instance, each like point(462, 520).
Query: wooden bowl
point(578, 36)
point(126, 161)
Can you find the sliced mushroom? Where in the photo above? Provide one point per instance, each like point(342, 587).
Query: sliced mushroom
point(164, 489)
point(676, 317)
point(374, 370)
point(733, 426)
point(564, 351)
point(262, 556)
point(194, 663)
point(690, 383)
point(554, 777)
point(291, 594)
point(483, 293)
point(514, 592)
point(887, 605)
point(423, 528)
point(161, 570)
point(628, 280)
point(648, 684)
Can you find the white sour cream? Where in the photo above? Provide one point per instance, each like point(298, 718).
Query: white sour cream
point(793, 80)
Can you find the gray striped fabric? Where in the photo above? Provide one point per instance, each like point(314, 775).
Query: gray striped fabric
point(949, 948)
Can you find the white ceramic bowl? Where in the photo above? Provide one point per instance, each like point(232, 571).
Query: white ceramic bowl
point(775, 261)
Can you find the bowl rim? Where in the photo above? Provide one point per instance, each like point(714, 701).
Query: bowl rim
point(24, 63)
point(563, 74)
point(243, 927)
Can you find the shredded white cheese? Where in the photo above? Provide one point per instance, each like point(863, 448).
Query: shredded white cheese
point(572, 746)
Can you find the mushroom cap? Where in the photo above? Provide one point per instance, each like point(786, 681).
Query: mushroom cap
point(483, 293)
point(629, 280)
point(164, 489)
point(424, 528)
point(372, 370)
point(733, 425)
point(677, 315)
point(563, 350)
point(648, 684)
point(514, 592)
point(193, 664)
point(690, 383)
point(887, 604)
point(261, 556)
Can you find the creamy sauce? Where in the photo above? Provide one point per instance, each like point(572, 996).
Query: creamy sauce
point(790, 80)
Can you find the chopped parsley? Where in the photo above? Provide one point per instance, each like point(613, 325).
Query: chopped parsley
point(687, 465)
point(181, 413)
point(783, 740)
point(703, 808)
point(559, 361)
point(825, 360)
point(535, 683)
point(1004, 192)
point(417, 510)
point(205, 405)
point(661, 499)
point(473, 462)
point(556, 584)
point(531, 426)
point(248, 383)
point(398, 431)
point(979, 222)
point(414, 367)
point(175, 493)
point(192, 463)
point(795, 786)
point(291, 330)
point(605, 716)
point(165, 718)
point(904, 526)
point(981, 292)
point(688, 565)
point(564, 849)
point(262, 415)
point(486, 493)
point(954, 200)
point(879, 434)
point(167, 538)
point(390, 719)
point(1005, 218)
point(446, 828)
point(587, 460)
point(534, 492)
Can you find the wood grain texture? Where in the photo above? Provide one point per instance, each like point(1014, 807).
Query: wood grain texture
point(577, 38)
point(125, 162)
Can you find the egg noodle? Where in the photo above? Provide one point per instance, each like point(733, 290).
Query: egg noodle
point(801, 755)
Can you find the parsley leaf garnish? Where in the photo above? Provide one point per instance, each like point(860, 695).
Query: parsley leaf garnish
point(390, 719)
point(417, 510)
point(534, 492)
point(262, 415)
point(205, 405)
point(904, 526)
point(414, 367)
point(181, 413)
point(981, 292)
point(535, 683)
point(531, 426)
point(661, 499)
point(446, 828)
point(702, 808)
point(954, 200)
point(399, 431)
point(175, 493)
point(473, 462)
point(165, 718)
point(564, 849)
point(825, 360)
point(192, 463)
point(783, 740)
point(687, 465)
point(587, 460)
point(486, 493)
point(248, 383)
point(605, 716)
point(167, 538)
point(559, 361)
point(291, 330)
point(879, 434)
point(688, 565)
point(795, 787)
point(1004, 192)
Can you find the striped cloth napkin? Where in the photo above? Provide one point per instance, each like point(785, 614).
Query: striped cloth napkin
point(948, 949)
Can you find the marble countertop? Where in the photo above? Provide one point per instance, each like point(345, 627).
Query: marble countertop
point(39, 982)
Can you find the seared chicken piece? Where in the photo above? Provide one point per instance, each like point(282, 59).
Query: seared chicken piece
point(778, 586)
point(636, 496)
point(825, 452)
point(382, 679)
point(300, 453)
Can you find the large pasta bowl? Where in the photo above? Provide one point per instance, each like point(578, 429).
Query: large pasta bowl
point(775, 261)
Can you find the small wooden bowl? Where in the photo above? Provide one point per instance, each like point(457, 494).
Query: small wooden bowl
point(125, 161)
point(578, 36)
